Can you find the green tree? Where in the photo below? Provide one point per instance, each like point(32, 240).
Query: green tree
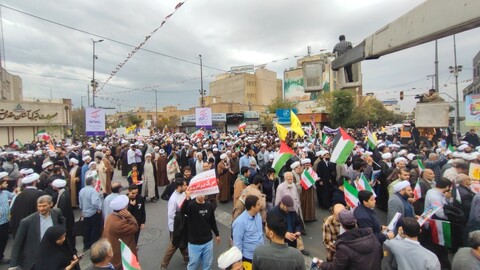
point(134, 119)
point(280, 103)
point(267, 121)
point(325, 100)
point(78, 121)
point(343, 106)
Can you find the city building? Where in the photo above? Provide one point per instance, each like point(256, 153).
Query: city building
point(312, 76)
point(474, 87)
point(249, 89)
point(21, 119)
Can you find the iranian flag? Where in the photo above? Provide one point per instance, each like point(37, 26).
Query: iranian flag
point(129, 260)
point(326, 140)
point(197, 134)
point(308, 178)
point(417, 192)
point(421, 167)
point(342, 147)
point(42, 135)
point(371, 140)
point(441, 232)
point(351, 195)
point(281, 157)
point(17, 143)
point(363, 184)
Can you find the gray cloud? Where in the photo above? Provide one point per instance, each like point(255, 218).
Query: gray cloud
point(226, 33)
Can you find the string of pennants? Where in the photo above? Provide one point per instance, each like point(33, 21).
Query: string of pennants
point(417, 88)
point(136, 49)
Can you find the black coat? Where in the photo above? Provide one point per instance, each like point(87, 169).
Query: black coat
point(64, 203)
point(138, 210)
point(27, 240)
point(24, 205)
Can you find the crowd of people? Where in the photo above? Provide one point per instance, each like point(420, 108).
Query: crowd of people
point(41, 185)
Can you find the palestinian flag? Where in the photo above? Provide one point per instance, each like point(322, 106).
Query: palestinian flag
point(421, 167)
point(441, 232)
point(417, 192)
point(308, 178)
point(326, 140)
point(450, 147)
point(371, 140)
point(363, 184)
point(342, 147)
point(129, 260)
point(42, 135)
point(351, 195)
point(281, 157)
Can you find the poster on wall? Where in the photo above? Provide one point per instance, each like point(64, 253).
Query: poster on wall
point(293, 86)
point(95, 122)
point(472, 110)
point(203, 117)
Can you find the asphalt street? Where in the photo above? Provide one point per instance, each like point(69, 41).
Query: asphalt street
point(154, 238)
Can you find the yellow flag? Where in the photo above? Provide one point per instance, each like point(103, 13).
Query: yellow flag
point(296, 126)
point(282, 131)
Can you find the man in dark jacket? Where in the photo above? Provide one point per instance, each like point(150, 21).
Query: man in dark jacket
point(367, 218)
point(356, 248)
point(136, 207)
point(25, 203)
point(327, 173)
point(30, 233)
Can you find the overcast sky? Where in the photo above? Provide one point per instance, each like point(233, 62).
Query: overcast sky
point(225, 33)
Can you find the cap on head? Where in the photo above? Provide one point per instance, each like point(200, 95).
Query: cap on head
point(346, 218)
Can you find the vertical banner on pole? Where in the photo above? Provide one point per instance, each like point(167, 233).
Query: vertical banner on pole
point(472, 110)
point(95, 122)
point(203, 117)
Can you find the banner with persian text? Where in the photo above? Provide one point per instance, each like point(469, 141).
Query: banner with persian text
point(204, 183)
point(95, 122)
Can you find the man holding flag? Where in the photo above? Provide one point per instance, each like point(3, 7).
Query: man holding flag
point(307, 194)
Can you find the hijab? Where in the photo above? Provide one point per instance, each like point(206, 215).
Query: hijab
point(52, 256)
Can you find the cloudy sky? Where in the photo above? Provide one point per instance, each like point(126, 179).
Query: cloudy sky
point(57, 59)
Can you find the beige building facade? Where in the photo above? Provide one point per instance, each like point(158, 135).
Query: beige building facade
point(257, 89)
point(21, 120)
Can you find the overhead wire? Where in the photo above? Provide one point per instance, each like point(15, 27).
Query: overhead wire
point(109, 39)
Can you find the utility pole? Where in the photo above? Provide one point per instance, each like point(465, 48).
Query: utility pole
point(94, 83)
point(432, 77)
point(455, 70)
point(437, 86)
point(88, 95)
point(202, 92)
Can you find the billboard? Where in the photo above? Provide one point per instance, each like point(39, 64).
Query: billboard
point(203, 117)
point(284, 115)
point(95, 122)
point(472, 110)
point(293, 86)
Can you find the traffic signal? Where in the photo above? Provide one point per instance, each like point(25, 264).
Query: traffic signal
point(401, 95)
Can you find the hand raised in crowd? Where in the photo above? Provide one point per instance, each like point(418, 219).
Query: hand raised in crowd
point(124, 213)
point(217, 239)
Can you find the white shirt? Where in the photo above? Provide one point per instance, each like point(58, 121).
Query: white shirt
point(130, 156)
point(174, 205)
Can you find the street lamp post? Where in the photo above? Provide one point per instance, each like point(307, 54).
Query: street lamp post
point(202, 92)
point(94, 83)
point(455, 70)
